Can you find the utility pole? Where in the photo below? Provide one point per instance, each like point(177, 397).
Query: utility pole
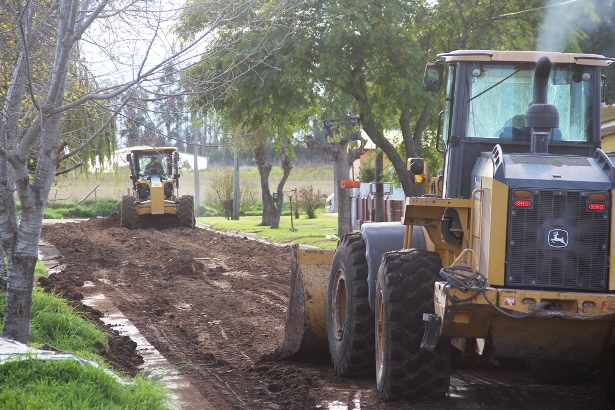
point(197, 175)
point(236, 186)
point(195, 163)
point(379, 203)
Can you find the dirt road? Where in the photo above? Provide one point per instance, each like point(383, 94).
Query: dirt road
point(214, 306)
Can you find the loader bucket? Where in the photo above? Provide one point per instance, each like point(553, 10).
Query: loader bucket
point(305, 333)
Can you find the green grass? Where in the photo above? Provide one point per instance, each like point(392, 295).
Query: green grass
point(30, 383)
point(57, 324)
point(39, 270)
point(86, 209)
point(320, 231)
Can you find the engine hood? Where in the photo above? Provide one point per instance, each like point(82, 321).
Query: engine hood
point(551, 171)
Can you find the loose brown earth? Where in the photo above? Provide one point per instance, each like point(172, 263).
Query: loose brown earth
point(214, 305)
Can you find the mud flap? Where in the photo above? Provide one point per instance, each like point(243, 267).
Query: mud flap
point(305, 332)
point(433, 324)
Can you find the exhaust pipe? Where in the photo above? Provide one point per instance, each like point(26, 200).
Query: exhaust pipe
point(541, 117)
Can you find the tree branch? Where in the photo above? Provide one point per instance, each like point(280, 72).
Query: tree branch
point(66, 171)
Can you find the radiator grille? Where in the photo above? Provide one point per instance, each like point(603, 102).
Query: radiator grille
point(558, 242)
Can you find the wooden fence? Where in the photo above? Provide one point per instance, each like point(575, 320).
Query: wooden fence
point(365, 209)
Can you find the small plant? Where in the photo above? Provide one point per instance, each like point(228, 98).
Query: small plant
point(221, 189)
point(309, 201)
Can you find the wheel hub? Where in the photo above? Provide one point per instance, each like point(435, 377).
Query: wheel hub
point(338, 305)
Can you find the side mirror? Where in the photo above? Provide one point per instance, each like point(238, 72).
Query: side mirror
point(432, 80)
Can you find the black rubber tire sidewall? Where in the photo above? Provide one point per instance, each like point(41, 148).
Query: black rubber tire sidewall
point(186, 211)
point(353, 354)
point(405, 371)
point(127, 212)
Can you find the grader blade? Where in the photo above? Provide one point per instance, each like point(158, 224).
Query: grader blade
point(305, 332)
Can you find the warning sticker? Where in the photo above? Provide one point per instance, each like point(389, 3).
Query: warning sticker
point(509, 302)
point(608, 306)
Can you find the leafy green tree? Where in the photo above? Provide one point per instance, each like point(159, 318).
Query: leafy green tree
point(375, 52)
point(600, 38)
point(265, 104)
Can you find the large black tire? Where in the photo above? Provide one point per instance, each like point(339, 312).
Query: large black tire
point(350, 320)
point(127, 212)
point(404, 291)
point(186, 211)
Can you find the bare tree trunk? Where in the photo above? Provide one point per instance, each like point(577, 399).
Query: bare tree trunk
point(342, 162)
point(286, 168)
point(342, 170)
point(272, 209)
point(264, 170)
point(21, 244)
point(18, 308)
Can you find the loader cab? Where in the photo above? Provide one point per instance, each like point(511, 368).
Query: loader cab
point(487, 96)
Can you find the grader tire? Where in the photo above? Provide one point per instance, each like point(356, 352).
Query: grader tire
point(186, 211)
point(127, 212)
point(350, 320)
point(404, 291)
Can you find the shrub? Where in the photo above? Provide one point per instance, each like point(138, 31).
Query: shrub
point(221, 189)
point(367, 173)
point(309, 201)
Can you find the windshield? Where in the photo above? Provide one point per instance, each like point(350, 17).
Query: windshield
point(153, 164)
point(501, 94)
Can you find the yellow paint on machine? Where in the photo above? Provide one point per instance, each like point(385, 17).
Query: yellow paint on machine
point(157, 198)
point(491, 238)
point(575, 325)
point(169, 207)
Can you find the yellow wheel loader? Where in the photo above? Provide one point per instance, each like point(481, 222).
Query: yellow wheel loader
point(507, 256)
point(155, 181)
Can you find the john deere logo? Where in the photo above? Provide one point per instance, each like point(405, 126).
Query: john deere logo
point(558, 238)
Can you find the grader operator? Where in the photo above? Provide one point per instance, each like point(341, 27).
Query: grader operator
point(507, 256)
point(155, 183)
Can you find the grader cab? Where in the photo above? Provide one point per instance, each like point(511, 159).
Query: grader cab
point(507, 256)
point(155, 181)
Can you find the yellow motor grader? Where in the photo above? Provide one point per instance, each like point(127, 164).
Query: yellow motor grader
point(507, 256)
point(155, 181)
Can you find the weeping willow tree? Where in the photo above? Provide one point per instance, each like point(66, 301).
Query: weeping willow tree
point(79, 123)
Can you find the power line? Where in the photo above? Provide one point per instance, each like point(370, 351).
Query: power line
point(538, 8)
